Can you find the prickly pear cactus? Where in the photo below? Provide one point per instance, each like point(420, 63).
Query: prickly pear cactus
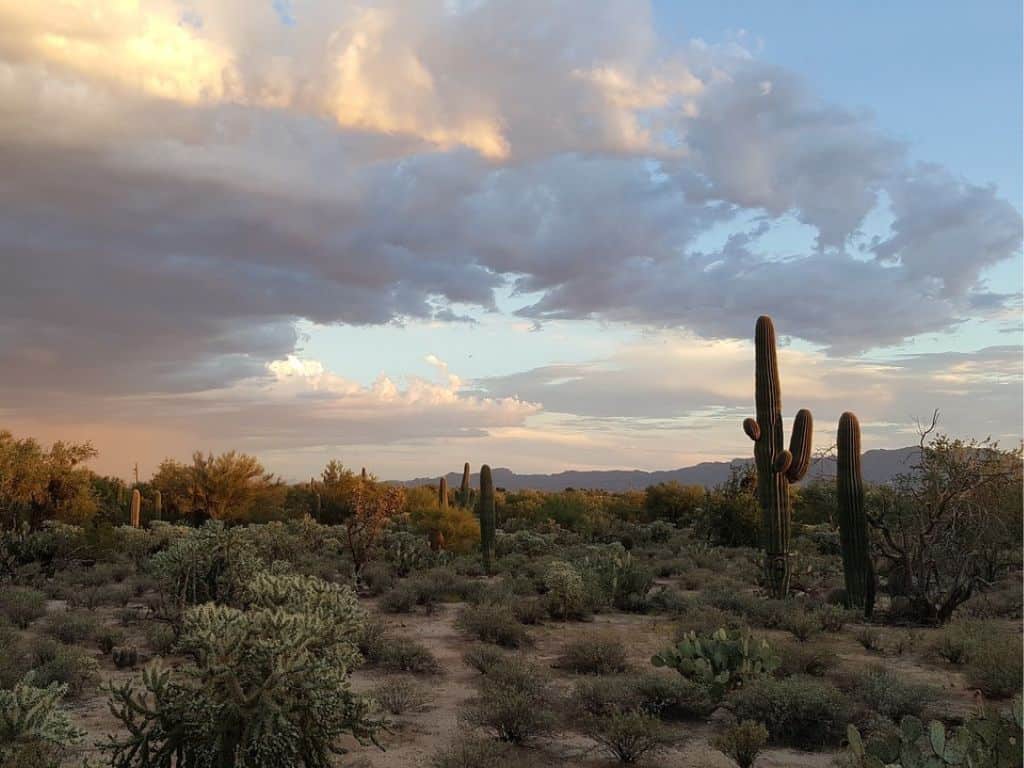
point(723, 661)
point(776, 466)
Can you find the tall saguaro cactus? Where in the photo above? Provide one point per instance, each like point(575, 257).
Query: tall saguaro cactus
point(442, 494)
point(464, 492)
point(776, 466)
point(136, 510)
point(858, 569)
point(158, 505)
point(487, 523)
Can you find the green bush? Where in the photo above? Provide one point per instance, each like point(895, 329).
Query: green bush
point(475, 752)
point(869, 637)
point(805, 658)
point(994, 666)
point(742, 742)
point(377, 577)
point(955, 642)
point(493, 624)
point(160, 638)
point(72, 627)
point(529, 610)
point(628, 736)
point(35, 730)
point(657, 694)
point(798, 711)
point(107, 637)
point(484, 658)
point(401, 599)
point(64, 665)
point(22, 605)
point(515, 703)
point(884, 692)
point(401, 695)
point(404, 654)
point(801, 623)
point(594, 655)
point(268, 683)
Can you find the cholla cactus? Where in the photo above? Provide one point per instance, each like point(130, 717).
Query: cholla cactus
point(487, 523)
point(136, 511)
point(31, 719)
point(566, 590)
point(858, 569)
point(269, 685)
point(776, 467)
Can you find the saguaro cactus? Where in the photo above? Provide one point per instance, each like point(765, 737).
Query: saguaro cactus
point(776, 467)
point(464, 492)
point(318, 506)
point(486, 517)
point(136, 510)
point(158, 505)
point(858, 569)
point(442, 494)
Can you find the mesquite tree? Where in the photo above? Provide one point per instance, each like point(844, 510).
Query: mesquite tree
point(951, 525)
point(776, 467)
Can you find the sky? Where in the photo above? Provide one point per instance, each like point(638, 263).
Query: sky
point(536, 235)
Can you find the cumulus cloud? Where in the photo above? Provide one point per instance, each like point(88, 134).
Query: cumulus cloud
point(185, 182)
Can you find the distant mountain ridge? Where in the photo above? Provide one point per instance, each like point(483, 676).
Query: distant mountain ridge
point(878, 466)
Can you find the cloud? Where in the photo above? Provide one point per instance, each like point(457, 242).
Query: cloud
point(183, 183)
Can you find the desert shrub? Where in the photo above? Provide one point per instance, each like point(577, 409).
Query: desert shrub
point(742, 742)
point(628, 736)
point(661, 695)
point(72, 627)
point(722, 661)
point(798, 711)
point(22, 605)
point(160, 638)
point(107, 637)
point(371, 637)
point(35, 730)
point(377, 577)
point(805, 659)
point(302, 628)
point(64, 665)
point(515, 703)
point(891, 697)
point(595, 655)
point(493, 624)
point(484, 658)
point(904, 642)
point(834, 617)
point(956, 641)
point(529, 610)
point(757, 610)
point(125, 656)
point(801, 623)
point(870, 637)
point(400, 695)
point(699, 617)
point(995, 668)
point(405, 654)
point(566, 594)
point(667, 600)
point(475, 752)
point(401, 599)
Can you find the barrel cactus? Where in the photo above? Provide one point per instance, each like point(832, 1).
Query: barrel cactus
point(487, 524)
point(853, 525)
point(136, 510)
point(776, 466)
